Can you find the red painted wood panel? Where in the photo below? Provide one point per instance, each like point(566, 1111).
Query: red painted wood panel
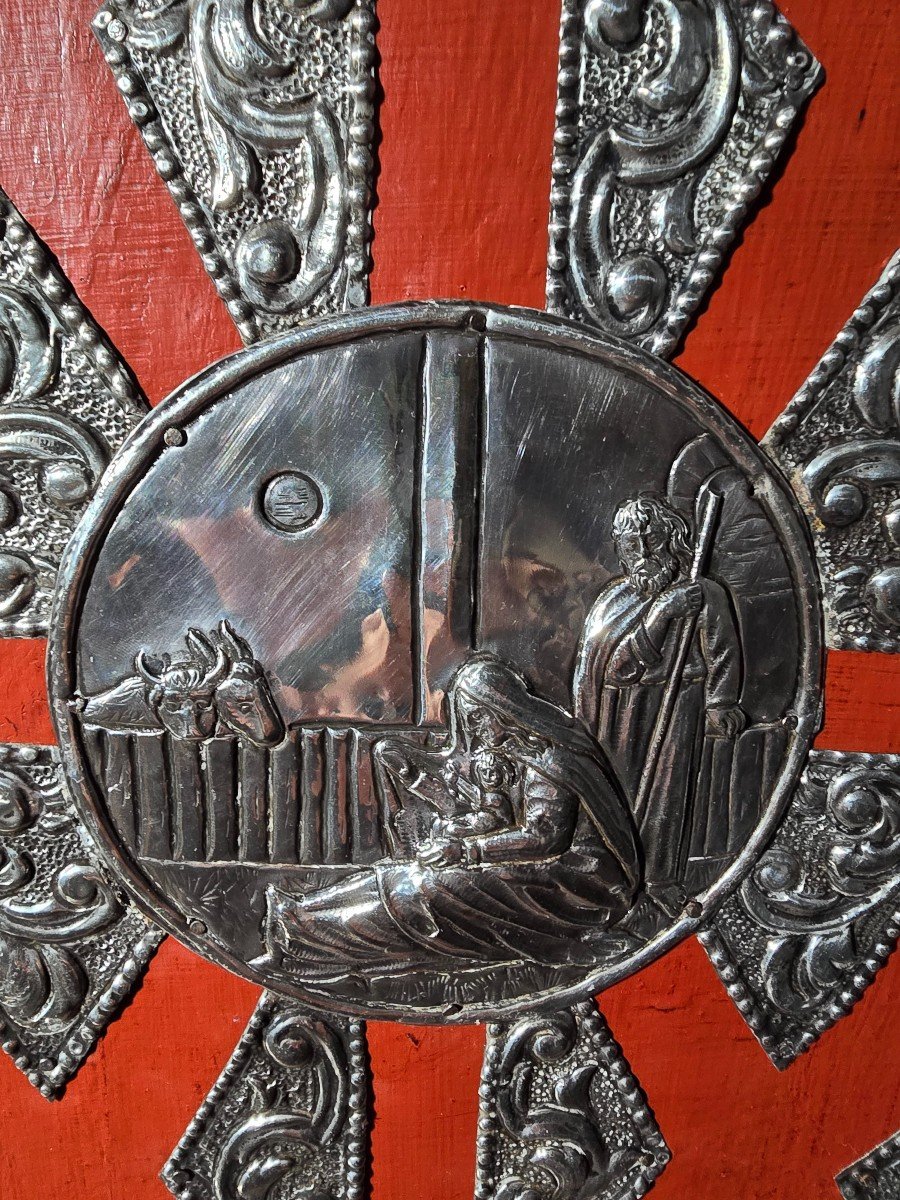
point(467, 127)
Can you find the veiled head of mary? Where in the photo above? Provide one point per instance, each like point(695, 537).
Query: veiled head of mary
point(485, 702)
point(491, 708)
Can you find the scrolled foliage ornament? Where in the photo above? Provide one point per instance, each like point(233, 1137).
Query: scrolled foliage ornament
point(442, 662)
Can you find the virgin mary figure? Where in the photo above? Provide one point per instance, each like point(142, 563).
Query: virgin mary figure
point(522, 847)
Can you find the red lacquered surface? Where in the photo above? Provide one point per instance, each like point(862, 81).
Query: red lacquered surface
point(467, 127)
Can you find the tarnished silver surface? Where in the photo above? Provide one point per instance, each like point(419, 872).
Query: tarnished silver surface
point(562, 1117)
point(287, 1118)
point(838, 442)
point(72, 948)
point(514, 705)
point(875, 1177)
point(67, 402)
point(670, 116)
point(260, 119)
point(804, 936)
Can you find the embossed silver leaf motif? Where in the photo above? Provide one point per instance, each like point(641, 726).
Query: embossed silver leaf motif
point(670, 116)
point(29, 348)
point(874, 1177)
point(839, 443)
point(562, 1118)
point(41, 984)
point(259, 118)
point(287, 1117)
point(66, 404)
point(809, 928)
point(71, 949)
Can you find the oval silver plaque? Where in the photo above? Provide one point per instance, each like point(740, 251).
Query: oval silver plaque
point(523, 702)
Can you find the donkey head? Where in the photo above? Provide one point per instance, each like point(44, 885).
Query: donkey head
point(244, 700)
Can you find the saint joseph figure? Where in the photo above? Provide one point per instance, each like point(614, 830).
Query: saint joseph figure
point(629, 646)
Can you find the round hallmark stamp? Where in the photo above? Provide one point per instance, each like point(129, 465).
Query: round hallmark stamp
point(524, 703)
point(291, 501)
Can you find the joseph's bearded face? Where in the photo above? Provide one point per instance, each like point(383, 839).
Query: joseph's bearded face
point(646, 559)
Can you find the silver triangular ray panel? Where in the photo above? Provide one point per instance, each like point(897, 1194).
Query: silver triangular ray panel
point(72, 949)
point(874, 1177)
point(260, 119)
point(671, 115)
point(805, 935)
point(67, 402)
point(838, 442)
point(288, 1116)
point(561, 1113)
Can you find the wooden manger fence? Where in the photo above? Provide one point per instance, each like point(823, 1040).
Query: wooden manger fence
point(311, 800)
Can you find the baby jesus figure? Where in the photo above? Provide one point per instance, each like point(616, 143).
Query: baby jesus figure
point(489, 798)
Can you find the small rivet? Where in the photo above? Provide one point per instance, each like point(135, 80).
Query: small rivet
point(174, 436)
point(198, 927)
point(693, 909)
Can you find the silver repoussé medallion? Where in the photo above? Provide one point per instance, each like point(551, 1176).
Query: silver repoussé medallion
point(531, 676)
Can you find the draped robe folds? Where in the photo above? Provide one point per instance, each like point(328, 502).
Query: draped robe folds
point(540, 890)
point(620, 680)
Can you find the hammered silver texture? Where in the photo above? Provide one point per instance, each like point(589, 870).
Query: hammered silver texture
point(561, 1114)
point(838, 442)
point(874, 1177)
point(671, 115)
point(804, 937)
point(287, 1116)
point(67, 402)
point(260, 119)
point(72, 949)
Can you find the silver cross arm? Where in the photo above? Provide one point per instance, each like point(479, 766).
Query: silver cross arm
point(72, 948)
point(260, 120)
point(67, 402)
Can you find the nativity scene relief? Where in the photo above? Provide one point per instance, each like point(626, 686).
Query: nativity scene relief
point(518, 731)
point(518, 831)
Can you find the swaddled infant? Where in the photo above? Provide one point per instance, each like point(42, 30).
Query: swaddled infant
point(491, 809)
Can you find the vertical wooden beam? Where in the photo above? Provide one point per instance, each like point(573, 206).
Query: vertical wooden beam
point(253, 778)
point(284, 772)
point(220, 759)
point(152, 778)
point(186, 791)
point(311, 783)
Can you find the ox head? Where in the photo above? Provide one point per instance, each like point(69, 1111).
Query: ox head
point(244, 700)
point(183, 694)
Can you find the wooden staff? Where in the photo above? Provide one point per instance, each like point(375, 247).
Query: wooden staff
point(702, 549)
